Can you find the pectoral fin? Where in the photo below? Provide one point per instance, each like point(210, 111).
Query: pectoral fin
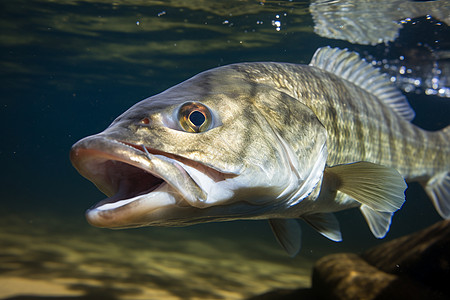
point(438, 189)
point(326, 224)
point(380, 188)
point(288, 233)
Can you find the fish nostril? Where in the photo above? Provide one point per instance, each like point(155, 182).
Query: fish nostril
point(145, 121)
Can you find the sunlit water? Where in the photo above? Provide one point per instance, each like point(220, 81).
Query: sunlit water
point(68, 68)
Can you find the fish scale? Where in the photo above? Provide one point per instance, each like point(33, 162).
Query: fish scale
point(359, 125)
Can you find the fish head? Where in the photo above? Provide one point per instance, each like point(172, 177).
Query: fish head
point(200, 151)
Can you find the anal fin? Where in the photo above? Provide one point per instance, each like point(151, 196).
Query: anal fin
point(288, 233)
point(326, 224)
point(438, 189)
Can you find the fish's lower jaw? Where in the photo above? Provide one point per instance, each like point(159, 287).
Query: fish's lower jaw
point(98, 218)
point(112, 220)
point(139, 211)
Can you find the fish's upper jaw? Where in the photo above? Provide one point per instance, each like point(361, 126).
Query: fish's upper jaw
point(142, 184)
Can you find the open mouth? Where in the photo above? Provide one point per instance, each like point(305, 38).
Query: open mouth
point(122, 171)
point(139, 180)
point(128, 182)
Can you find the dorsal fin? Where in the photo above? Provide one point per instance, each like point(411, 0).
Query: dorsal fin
point(348, 65)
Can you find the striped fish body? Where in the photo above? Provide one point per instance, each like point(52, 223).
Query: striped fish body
point(269, 141)
point(365, 116)
point(360, 126)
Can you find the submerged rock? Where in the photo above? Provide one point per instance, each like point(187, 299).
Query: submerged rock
point(348, 276)
point(423, 257)
point(416, 266)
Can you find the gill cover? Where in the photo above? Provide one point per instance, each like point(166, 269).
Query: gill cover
point(302, 138)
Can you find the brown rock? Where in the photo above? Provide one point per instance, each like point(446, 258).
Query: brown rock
point(416, 266)
point(347, 276)
point(412, 267)
point(423, 256)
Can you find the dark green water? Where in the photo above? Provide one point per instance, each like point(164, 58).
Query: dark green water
point(68, 68)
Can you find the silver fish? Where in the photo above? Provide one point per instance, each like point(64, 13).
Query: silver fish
point(370, 22)
point(272, 141)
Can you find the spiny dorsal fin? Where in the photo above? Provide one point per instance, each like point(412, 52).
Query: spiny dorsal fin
point(288, 233)
point(348, 65)
point(381, 188)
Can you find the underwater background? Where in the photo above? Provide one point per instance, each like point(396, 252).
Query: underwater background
point(69, 68)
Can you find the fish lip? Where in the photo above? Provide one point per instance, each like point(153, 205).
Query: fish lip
point(108, 163)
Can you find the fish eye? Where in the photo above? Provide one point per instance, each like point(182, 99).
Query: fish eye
point(197, 118)
point(194, 117)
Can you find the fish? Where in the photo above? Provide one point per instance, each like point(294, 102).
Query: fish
point(266, 141)
point(371, 22)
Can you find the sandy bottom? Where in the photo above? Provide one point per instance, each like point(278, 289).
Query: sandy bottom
point(57, 257)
